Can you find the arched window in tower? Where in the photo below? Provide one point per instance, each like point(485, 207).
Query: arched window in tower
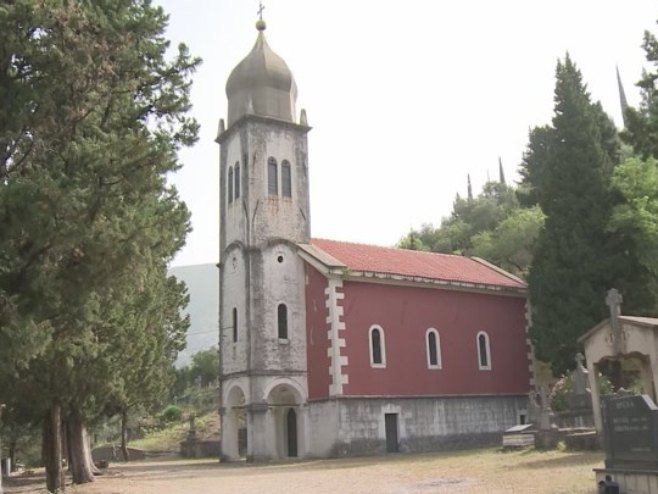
point(433, 342)
point(377, 347)
point(286, 179)
point(282, 321)
point(230, 184)
point(235, 324)
point(484, 351)
point(272, 177)
point(237, 179)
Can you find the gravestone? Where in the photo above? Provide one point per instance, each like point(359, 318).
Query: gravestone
point(630, 434)
point(547, 435)
point(578, 414)
point(630, 425)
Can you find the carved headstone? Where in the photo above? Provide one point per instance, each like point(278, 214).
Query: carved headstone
point(579, 400)
point(630, 428)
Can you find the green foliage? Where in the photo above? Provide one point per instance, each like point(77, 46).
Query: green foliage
point(642, 123)
point(510, 244)
point(195, 385)
point(637, 215)
point(560, 393)
point(559, 398)
point(204, 370)
point(491, 226)
point(92, 115)
point(172, 413)
point(568, 172)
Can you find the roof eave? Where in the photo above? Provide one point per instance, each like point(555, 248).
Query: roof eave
point(351, 275)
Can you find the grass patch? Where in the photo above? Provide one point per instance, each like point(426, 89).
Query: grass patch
point(169, 438)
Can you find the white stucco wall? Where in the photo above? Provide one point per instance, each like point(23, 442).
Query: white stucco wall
point(234, 354)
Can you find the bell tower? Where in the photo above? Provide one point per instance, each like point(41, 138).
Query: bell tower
point(264, 214)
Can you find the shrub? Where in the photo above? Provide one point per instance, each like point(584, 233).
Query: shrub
point(564, 387)
point(171, 414)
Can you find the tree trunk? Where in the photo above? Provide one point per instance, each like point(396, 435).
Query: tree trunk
point(66, 446)
point(124, 435)
point(12, 453)
point(52, 448)
point(80, 462)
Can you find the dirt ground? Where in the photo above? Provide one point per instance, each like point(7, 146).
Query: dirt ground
point(477, 472)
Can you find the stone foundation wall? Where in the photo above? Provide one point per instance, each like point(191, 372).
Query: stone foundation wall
point(357, 426)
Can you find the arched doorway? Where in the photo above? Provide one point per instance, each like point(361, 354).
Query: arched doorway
point(291, 432)
point(285, 402)
point(234, 425)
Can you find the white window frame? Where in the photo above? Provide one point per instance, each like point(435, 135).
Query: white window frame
point(382, 346)
point(487, 345)
point(437, 341)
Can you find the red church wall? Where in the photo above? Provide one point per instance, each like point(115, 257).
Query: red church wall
point(405, 314)
point(317, 340)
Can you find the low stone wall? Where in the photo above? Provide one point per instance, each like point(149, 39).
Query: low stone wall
point(113, 453)
point(199, 449)
point(577, 418)
point(584, 440)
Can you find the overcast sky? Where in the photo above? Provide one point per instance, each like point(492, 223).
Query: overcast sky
point(405, 98)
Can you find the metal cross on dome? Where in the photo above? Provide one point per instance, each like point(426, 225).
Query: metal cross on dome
point(261, 7)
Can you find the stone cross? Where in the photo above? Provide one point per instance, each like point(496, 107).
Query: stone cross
point(261, 7)
point(614, 300)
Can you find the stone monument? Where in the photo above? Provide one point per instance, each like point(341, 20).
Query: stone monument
point(630, 437)
point(578, 414)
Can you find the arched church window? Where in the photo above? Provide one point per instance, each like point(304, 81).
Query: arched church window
point(230, 184)
point(237, 179)
point(272, 177)
point(235, 324)
point(282, 321)
point(433, 342)
point(286, 179)
point(484, 351)
point(377, 347)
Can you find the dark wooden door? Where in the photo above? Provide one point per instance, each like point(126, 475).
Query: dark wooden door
point(291, 422)
point(391, 422)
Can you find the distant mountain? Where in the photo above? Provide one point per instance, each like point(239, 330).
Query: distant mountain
point(202, 282)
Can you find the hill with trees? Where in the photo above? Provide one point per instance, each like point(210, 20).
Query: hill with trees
point(582, 220)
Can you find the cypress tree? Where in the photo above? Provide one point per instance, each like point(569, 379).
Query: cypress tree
point(569, 168)
point(92, 114)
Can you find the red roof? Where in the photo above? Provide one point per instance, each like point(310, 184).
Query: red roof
point(414, 263)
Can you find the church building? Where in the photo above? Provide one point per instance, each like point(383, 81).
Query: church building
point(332, 348)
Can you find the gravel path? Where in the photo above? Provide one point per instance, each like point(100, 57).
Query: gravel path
point(475, 472)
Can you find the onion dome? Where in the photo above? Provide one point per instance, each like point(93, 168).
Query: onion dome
point(261, 84)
